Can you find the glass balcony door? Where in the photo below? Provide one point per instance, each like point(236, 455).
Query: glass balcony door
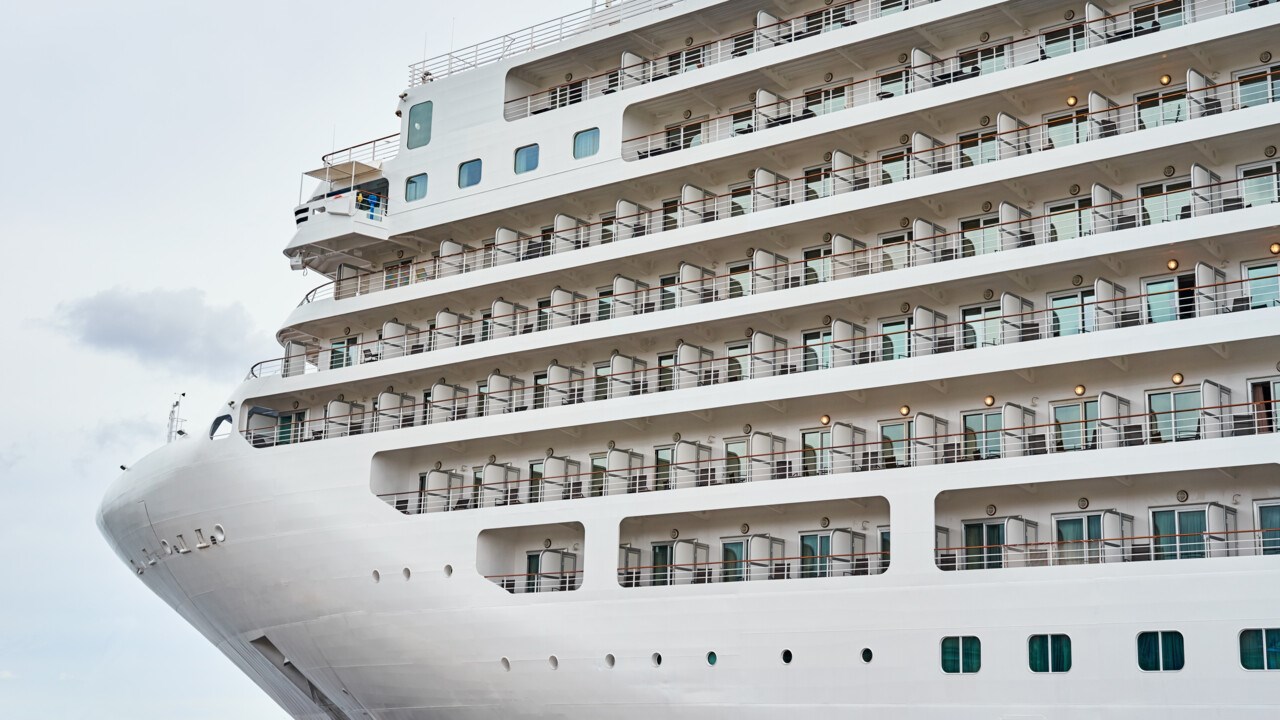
point(979, 236)
point(895, 443)
point(815, 555)
point(815, 452)
point(983, 545)
point(1070, 219)
point(732, 554)
point(1075, 426)
point(980, 326)
point(1178, 534)
point(1072, 313)
point(982, 435)
point(1174, 415)
point(1079, 539)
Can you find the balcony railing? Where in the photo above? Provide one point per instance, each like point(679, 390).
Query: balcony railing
point(764, 36)
point(926, 157)
point(1173, 206)
point(1052, 438)
point(368, 153)
point(539, 582)
point(924, 72)
point(1215, 544)
point(602, 13)
point(851, 347)
point(799, 567)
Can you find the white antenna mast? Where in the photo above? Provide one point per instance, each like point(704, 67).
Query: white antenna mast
point(176, 420)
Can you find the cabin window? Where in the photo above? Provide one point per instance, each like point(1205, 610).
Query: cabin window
point(982, 434)
point(1161, 651)
point(1075, 425)
point(1260, 649)
point(586, 143)
point(1049, 653)
point(815, 452)
point(469, 173)
point(1269, 524)
point(415, 188)
point(535, 480)
point(961, 654)
point(817, 350)
point(1264, 284)
point(527, 158)
point(662, 459)
point(419, 133)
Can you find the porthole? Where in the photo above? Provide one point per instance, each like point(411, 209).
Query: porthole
point(657, 659)
point(168, 549)
point(786, 657)
point(609, 660)
point(554, 662)
point(448, 571)
point(218, 535)
point(866, 655)
point(506, 664)
point(711, 658)
point(405, 573)
point(377, 576)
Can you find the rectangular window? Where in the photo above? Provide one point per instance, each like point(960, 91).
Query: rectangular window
point(1178, 533)
point(608, 225)
point(663, 554)
point(586, 143)
point(980, 326)
point(982, 434)
point(739, 280)
point(1064, 41)
point(732, 554)
point(1260, 649)
point(817, 350)
point(961, 654)
point(895, 443)
point(983, 60)
point(1049, 653)
point(894, 339)
point(667, 292)
point(599, 465)
point(419, 127)
point(544, 314)
point(894, 165)
point(1066, 129)
point(815, 453)
point(1263, 284)
point(977, 148)
point(1269, 524)
point(1072, 313)
point(526, 158)
point(817, 182)
point(1165, 201)
point(469, 173)
point(1260, 87)
point(1075, 425)
point(739, 199)
point(415, 188)
point(1078, 539)
point(734, 369)
point(540, 381)
point(1161, 107)
point(815, 555)
point(342, 352)
point(670, 214)
point(1260, 185)
point(895, 250)
point(666, 372)
point(735, 463)
point(984, 544)
point(662, 459)
point(535, 480)
point(980, 235)
point(1173, 415)
point(1069, 219)
point(1160, 651)
point(817, 265)
point(600, 390)
point(604, 303)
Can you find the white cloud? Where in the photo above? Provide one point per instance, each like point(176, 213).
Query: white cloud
point(178, 329)
point(8, 675)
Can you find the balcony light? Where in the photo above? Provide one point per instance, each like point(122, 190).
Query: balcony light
point(905, 410)
point(1072, 100)
point(989, 400)
point(1172, 264)
point(1275, 248)
point(1165, 79)
point(1177, 378)
point(1079, 390)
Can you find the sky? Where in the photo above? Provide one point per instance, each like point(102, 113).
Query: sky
point(153, 156)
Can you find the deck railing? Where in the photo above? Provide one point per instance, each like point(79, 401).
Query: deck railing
point(783, 32)
point(1181, 546)
point(602, 13)
point(904, 166)
point(1125, 430)
point(796, 567)
point(1172, 206)
point(922, 74)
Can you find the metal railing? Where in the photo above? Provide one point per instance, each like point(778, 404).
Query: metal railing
point(1122, 311)
point(783, 32)
point(918, 76)
point(1049, 438)
point(1181, 546)
point(1173, 206)
point(705, 572)
point(901, 167)
point(539, 582)
point(602, 13)
point(373, 151)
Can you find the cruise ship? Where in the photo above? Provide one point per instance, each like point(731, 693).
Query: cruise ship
point(899, 359)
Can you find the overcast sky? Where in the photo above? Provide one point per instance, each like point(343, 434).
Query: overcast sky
point(151, 162)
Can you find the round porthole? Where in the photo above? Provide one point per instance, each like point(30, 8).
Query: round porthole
point(554, 662)
point(218, 535)
point(609, 660)
point(448, 571)
point(506, 664)
point(711, 658)
point(377, 576)
point(786, 657)
point(405, 573)
point(866, 655)
point(656, 658)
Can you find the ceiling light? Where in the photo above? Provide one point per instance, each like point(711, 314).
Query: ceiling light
point(1072, 100)
point(1079, 390)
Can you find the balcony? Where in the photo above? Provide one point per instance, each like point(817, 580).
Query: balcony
point(532, 560)
point(923, 71)
point(845, 258)
point(532, 38)
point(791, 541)
point(919, 439)
point(769, 32)
point(922, 157)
